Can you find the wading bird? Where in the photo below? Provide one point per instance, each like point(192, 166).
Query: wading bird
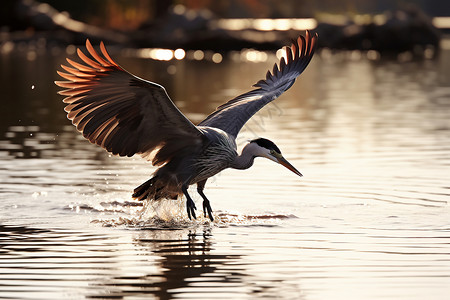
point(125, 115)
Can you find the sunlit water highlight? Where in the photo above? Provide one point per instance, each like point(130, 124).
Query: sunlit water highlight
point(369, 220)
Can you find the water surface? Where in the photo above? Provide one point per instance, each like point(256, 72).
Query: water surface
point(369, 220)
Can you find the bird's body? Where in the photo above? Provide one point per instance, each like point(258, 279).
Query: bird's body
point(219, 153)
point(128, 115)
point(216, 153)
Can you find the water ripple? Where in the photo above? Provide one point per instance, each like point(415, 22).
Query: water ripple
point(369, 220)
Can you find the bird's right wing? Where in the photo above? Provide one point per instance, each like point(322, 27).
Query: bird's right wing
point(122, 113)
point(232, 115)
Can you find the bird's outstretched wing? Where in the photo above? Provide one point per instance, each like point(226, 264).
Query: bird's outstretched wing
point(232, 115)
point(123, 113)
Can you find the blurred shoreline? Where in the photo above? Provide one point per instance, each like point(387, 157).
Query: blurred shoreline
point(392, 32)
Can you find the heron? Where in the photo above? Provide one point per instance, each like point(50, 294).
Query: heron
point(128, 115)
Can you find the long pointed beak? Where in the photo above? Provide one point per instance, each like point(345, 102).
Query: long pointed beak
point(284, 162)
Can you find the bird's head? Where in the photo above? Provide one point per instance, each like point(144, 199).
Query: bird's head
point(266, 148)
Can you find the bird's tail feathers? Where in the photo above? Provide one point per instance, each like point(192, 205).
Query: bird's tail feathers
point(142, 191)
point(152, 189)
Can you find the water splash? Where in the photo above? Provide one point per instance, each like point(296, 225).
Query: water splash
point(171, 215)
point(162, 214)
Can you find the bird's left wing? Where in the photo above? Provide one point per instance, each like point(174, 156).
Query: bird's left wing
point(123, 113)
point(232, 115)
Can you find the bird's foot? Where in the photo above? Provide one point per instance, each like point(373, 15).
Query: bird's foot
point(190, 206)
point(207, 208)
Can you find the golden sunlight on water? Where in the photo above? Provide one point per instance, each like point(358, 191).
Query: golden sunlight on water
point(369, 220)
point(266, 24)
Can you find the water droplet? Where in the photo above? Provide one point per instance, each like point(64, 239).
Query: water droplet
point(171, 69)
point(179, 54)
point(217, 58)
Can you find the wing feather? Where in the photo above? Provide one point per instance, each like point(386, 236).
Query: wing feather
point(120, 112)
point(96, 56)
point(106, 55)
point(232, 115)
point(70, 77)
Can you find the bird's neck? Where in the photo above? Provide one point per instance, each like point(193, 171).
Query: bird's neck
point(245, 160)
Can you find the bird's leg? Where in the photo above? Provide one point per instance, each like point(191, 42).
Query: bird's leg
point(206, 205)
point(190, 205)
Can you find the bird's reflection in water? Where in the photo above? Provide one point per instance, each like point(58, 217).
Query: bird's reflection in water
point(183, 257)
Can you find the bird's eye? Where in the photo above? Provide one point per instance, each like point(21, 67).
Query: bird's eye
point(275, 153)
